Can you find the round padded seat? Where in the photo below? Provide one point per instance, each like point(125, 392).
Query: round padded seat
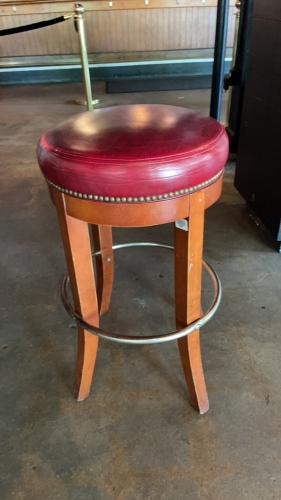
point(133, 153)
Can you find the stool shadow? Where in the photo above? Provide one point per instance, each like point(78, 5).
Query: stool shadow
point(173, 377)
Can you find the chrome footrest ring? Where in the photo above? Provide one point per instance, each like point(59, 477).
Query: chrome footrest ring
point(146, 339)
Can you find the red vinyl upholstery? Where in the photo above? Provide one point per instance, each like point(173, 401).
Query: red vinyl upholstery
point(133, 153)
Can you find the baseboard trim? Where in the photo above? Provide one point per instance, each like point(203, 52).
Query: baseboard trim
point(13, 75)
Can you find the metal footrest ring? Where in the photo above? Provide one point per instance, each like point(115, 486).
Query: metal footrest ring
point(147, 339)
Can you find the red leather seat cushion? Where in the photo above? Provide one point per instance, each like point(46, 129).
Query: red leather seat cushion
point(133, 153)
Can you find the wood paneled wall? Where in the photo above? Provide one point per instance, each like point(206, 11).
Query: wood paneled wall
point(117, 31)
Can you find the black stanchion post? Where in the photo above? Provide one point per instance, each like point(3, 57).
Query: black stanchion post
point(219, 57)
point(237, 76)
point(236, 28)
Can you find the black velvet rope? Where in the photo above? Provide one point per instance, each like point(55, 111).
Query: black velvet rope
point(34, 26)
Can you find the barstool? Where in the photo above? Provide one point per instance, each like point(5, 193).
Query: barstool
point(135, 166)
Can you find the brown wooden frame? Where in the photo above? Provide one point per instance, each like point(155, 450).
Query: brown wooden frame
point(10, 7)
point(75, 215)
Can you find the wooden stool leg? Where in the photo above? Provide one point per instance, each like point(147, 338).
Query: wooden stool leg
point(102, 238)
point(188, 276)
point(77, 248)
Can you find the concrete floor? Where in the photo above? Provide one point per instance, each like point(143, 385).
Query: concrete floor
point(136, 436)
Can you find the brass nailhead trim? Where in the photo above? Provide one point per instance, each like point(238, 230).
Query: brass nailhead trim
point(140, 199)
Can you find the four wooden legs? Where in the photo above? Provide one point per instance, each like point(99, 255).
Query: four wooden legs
point(188, 277)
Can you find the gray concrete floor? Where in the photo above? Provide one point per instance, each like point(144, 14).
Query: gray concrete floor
point(136, 436)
